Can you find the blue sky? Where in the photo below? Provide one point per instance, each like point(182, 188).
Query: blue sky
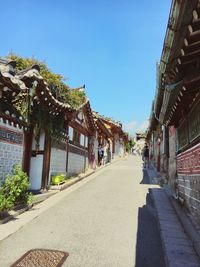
point(111, 46)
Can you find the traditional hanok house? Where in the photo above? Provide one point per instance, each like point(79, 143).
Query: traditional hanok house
point(179, 96)
point(118, 140)
point(47, 121)
point(157, 139)
point(35, 141)
point(103, 138)
point(82, 141)
point(140, 139)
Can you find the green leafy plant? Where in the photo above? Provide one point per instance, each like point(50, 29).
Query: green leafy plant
point(56, 82)
point(13, 192)
point(129, 145)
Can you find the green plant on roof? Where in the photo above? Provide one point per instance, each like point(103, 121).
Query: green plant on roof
point(38, 115)
point(56, 82)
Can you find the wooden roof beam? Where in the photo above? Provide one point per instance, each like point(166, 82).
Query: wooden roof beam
point(193, 37)
point(196, 14)
point(192, 83)
point(190, 57)
point(190, 48)
point(183, 63)
point(194, 26)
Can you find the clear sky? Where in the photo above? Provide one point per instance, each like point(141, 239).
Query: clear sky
point(111, 46)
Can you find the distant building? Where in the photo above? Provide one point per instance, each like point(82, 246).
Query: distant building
point(140, 139)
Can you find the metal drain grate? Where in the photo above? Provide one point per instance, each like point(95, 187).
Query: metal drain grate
point(41, 258)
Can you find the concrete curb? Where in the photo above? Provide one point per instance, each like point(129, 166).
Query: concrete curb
point(70, 182)
point(81, 177)
point(188, 225)
point(13, 214)
point(42, 197)
point(178, 248)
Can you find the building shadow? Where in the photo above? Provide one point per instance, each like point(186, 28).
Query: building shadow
point(149, 251)
point(145, 178)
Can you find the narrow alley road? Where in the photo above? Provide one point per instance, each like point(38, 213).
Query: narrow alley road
point(107, 219)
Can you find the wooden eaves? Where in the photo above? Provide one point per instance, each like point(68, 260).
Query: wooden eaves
point(182, 64)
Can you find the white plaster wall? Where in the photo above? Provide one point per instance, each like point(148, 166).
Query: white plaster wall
point(36, 172)
point(121, 150)
point(117, 149)
point(36, 165)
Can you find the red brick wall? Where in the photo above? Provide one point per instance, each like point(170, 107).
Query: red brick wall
point(188, 169)
point(188, 162)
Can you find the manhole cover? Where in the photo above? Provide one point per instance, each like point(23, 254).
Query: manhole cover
point(41, 258)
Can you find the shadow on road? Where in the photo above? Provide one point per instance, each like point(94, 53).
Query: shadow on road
point(148, 248)
point(145, 179)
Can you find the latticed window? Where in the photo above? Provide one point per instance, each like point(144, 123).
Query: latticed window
point(76, 137)
point(189, 130)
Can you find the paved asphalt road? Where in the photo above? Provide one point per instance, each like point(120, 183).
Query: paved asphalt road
point(106, 220)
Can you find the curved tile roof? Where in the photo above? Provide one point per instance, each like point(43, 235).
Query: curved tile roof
point(18, 81)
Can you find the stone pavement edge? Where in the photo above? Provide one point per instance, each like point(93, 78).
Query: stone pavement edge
point(178, 244)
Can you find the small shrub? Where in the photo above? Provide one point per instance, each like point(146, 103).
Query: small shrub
point(5, 203)
point(14, 190)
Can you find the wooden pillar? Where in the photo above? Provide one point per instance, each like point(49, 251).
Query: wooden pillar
point(27, 150)
point(113, 147)
point(67, 148)
point(46, 160)
point(158, 158)
point(84, 153)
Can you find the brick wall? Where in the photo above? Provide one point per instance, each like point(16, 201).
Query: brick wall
point(188, 170)
point(11, 149)
point(57, 161)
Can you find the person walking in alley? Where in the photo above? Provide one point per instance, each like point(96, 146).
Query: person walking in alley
point(146, 156)
point(100, 155)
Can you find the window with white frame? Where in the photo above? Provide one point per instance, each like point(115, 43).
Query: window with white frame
point(71, 130)
point(82, 141)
